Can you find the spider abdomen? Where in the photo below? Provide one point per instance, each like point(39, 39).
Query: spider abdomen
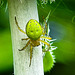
point(33, 29)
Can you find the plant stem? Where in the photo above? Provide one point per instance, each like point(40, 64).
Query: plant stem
point(24, 10)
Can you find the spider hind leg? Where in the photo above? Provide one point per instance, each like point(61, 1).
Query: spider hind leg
point(49, 38)
point(18, 26)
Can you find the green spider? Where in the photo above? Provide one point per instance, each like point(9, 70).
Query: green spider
point(34, 32)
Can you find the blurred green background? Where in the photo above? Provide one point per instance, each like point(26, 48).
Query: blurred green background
point(62, 28)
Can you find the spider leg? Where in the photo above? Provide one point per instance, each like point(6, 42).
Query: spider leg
point(43, 30)
point(18, 26)
point(46, 44)
point(46, 37)
point(31, 50)
point(25, 46)
point(25, 39)
point(45, 26)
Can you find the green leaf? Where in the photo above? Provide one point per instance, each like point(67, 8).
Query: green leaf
point(48, 61)
point(1, 3)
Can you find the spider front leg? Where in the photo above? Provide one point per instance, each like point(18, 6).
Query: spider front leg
point(46, 44)
point(25, 46)
point(31, 50)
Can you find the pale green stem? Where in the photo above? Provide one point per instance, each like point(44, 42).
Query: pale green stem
point(24, 10)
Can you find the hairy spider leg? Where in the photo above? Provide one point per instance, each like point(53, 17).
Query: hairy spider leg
point(25, 39)
point(46, 37)
point(45, 26)
point(43, 30)
point(46, 44)
point(18, 26)
point(25, 46)
point(31, 50)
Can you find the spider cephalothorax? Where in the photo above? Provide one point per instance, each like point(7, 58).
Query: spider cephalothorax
point(34, 32)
